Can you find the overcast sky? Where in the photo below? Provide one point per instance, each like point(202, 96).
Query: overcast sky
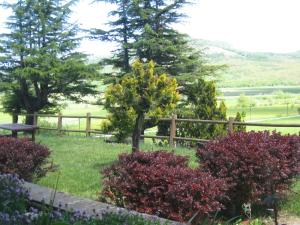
point(253, 25)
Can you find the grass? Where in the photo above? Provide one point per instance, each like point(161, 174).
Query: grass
point(283, 130)
point(292, 204)
point(263, 112)
point(243, 72)
point(80, 159)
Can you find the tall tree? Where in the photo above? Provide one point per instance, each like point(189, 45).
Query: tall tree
point(120, 33)
point(143, 29)
point(157, 40)
point(39, 65)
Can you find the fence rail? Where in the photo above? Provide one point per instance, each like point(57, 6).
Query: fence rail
point(172, 138)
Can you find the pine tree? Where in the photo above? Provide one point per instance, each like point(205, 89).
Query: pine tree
point(158, 41)
point(39, 66)
point(143, 29)
point(121, 33)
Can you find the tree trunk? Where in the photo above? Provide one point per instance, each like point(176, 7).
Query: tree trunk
point(137, 132)
point(29, 118)
point(15, 118)
point(142, 139)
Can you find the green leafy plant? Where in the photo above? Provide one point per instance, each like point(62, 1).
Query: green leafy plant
point(200, 102)
point(136, 95)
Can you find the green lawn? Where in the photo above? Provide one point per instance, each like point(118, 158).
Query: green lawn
point(292, 204)
point(283, 130)
point(262, 112)
point(80, 160)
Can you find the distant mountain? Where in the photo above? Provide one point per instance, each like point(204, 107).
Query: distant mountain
point(249, 69)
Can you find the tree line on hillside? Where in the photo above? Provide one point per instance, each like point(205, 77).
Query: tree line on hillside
point(40, 66)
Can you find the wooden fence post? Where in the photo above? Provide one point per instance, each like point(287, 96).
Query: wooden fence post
point(172, 142)
point(88, 125)
point(230, 125)
point(35, 121)
point(59, 122)
point(35, 118)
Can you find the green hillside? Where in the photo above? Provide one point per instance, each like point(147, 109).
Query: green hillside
point(247, 69)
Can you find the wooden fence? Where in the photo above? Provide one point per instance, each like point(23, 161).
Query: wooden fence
point(173, 121)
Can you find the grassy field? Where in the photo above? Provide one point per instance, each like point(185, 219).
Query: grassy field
point(79, 161)
point(251, 69)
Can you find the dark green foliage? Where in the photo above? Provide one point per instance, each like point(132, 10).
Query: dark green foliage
point(39, 65)
point(143, 29)
point(121, 33)
point(200, 103)
point(240, 117)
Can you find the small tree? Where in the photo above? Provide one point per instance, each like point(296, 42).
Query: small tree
point(140, 93)
point(201, 103)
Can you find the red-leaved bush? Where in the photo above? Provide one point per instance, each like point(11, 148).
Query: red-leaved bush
point(162, 183)
point(22, 157)
point(254, 164)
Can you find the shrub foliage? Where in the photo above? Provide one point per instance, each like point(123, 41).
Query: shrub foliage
point(22, 157)
point(141, 93)
point(161, 183)
point(254, 164)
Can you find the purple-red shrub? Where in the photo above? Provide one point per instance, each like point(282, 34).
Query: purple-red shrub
point(254, 164)
point(22, 157)
point(162, 183)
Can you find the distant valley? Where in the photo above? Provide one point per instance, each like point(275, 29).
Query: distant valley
point(248, 69)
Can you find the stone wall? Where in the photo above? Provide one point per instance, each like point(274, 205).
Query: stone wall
point(64, 201)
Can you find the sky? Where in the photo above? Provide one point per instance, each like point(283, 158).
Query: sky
point(251, 25)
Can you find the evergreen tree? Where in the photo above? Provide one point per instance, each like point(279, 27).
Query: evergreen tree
point(158, 41)
point(39, 66)
point(120, 33)
point(201, 103)
point(143, 30)
point(139, 94)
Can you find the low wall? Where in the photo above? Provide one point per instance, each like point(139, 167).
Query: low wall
point(64, 201)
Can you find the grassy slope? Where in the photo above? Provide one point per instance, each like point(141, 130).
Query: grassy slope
point(248, 69)
point(243, 72)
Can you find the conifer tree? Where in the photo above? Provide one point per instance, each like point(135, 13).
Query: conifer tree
point(143, 30)
point(39, 65)
point(139, 94)
point(201, 103)
point(120, 33)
